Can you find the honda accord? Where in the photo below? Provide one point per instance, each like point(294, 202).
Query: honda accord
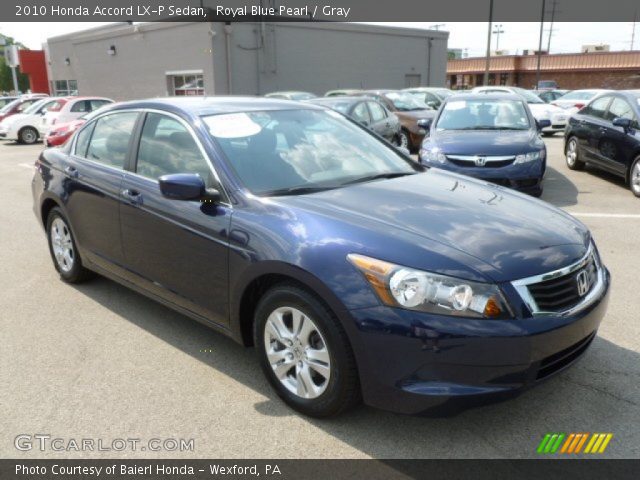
point(355, 272)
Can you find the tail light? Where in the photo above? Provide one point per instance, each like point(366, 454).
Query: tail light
point(579, 105)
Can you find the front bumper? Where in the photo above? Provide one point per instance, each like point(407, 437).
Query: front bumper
point(558, 123)
point(525, 177)
point(417, 363)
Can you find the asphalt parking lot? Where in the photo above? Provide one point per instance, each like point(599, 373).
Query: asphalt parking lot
point(100, 361)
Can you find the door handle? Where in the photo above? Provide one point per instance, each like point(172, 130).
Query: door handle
point(134, 197)
point(71, 171)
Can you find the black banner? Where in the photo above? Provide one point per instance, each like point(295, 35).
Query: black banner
point(322, 469)
point(313, 10)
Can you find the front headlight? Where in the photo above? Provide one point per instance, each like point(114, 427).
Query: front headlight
point(399, 286)
point(530, 157)
point(432, 154)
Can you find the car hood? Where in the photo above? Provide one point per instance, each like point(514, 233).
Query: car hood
point(14, 119)
point(486, 142)
point(544, 110)
point(514, 235)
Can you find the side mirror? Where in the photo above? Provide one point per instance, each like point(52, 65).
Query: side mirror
point(425, 123)
point(185, 186)
point(625, 123)
point(433, 104)
point(543, 124)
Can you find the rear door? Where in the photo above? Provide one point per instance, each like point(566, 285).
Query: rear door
point(176, 249)
point(380, 120)
point(590, 125)
point(616, 146)
point(94, 173)
point(360, 113)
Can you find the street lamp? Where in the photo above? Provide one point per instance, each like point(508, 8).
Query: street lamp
point(498, 30)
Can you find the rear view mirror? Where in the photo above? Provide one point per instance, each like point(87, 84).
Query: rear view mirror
point(625, 123)
point(182, 186)
point(543, 123)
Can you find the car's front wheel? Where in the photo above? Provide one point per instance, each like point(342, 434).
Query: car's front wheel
point(403, 139)
point(304, 352)
point(28, 135)
point(634, 177)
point(64, 251)
point(572, 155)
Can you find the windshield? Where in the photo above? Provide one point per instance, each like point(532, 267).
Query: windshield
point(488, 114)
point(284, 152)
point(530, 97)
point(579, 95)
point(9, 106)
point(405, 102)
point(37, 106)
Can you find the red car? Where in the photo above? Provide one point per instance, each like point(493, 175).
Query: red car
point(20, 104)
point(59, 134)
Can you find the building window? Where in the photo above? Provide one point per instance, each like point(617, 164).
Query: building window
point(186, 84)
point(65, 88)
point(504, 78)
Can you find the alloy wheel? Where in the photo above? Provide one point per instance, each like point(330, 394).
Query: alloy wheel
point(635, 178)
point(297, 352)
point(62, 245)
point(572, 153)
point(28, 136)
point(403, 140)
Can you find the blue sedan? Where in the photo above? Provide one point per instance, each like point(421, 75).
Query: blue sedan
point(356, 273)
point(493, 137)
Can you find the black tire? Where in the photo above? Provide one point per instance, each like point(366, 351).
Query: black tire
point(574, 163)
point(77, 273)
point(28, 135)
point(342, 391)
point(634, 177)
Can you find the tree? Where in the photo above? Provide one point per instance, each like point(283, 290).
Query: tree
point(6, 80)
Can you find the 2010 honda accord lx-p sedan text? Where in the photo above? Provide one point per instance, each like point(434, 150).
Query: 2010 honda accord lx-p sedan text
point(354, 271)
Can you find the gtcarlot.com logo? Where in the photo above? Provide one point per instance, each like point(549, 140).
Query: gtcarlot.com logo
point(573, 443)
point(45, 442)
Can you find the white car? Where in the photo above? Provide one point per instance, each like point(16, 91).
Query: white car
point(26, 127)
point(575, 100)
point(74, 107)
point(540, 110)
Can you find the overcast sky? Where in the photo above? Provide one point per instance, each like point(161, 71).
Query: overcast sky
point(567, 37)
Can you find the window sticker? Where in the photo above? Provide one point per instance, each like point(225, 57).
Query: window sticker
point(233, 125)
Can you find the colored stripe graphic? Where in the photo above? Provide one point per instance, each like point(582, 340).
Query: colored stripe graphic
point(573, 443)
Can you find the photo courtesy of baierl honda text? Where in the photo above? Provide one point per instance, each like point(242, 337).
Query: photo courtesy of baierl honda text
point(307, 240)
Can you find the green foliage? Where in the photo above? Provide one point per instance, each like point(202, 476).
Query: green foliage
point(6, 81)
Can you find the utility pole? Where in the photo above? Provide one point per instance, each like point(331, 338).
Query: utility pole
point(498, 30)
point(488, 59)
point(633, 30)
point(553, 16)
point(540, 45)
point(436, 27)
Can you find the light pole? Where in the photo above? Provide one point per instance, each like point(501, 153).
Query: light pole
point(498, 30)
point(540, 45)
point(488, 59)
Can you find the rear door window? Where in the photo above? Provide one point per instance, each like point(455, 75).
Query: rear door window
point(378, 113)
point(361, 114)
point(597, 108)
point(81, 106)
point(112, 134)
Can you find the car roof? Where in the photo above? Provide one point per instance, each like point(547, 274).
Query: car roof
point(341, 99)
point(213, 105)
point(484, 96)
point(286, 92)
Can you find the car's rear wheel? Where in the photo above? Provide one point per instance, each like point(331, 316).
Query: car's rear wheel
point(403, 139)
point(634, 177)
point(572, 155)
point(304, 352)
point(64, 251)
point(28, 135)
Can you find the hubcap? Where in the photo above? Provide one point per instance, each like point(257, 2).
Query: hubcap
point(297, 352)
point(404, 140)
point(635, 178)
point(28, 136)
point(572, 153)
point(62, 245)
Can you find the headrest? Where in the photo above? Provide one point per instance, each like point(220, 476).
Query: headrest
point(262, 143)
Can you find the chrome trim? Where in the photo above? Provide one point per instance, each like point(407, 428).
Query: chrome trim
point(522, 284)
point(488, 159)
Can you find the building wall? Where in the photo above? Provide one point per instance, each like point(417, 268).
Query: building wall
point(625, 80)
point(33, 64)
point(263, 57)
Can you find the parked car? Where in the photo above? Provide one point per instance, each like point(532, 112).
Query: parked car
point(61, 132)
point(540, 110)
point(74, 107)
point(6, 100)
point(409, 110)
point(367, 111)
point(575, 100)
point(19, 105)
point(548, 96)
point(547, 85)
point(291, 95)
point(354, 271)
point(606, 134)
point(344, 92)
point(432, 96)
point(493, 137)
point(26, 127)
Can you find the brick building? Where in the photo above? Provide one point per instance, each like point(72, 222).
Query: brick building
point(615, 70)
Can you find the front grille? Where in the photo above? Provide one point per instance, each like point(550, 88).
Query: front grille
point(562, 293)
point(557, 361)
point(489, 161)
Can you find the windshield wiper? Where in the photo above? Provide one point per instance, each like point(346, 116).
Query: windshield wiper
point(299, 190)
point(378, 176)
